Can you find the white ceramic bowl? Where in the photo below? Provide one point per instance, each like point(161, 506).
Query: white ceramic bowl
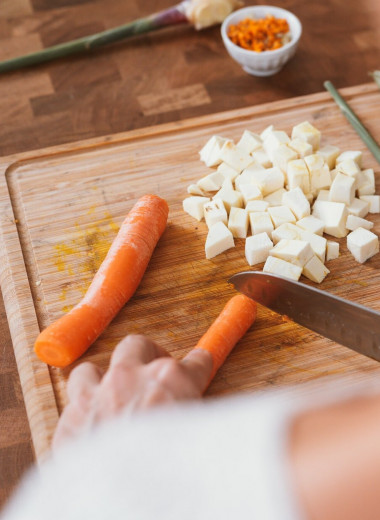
point(264, 63)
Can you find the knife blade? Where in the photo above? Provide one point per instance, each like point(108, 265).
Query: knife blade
point(340, 320)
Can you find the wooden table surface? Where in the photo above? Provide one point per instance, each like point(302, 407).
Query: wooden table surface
point(166, 76)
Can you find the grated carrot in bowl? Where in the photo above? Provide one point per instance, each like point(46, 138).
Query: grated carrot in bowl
point(265, 34)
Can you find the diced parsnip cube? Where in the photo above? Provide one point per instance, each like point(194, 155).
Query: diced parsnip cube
point(260, 223)
point(298, 175)
point(359, 208)
point(194, 206)
point(307, 132)
point(334, 216)
point(219, 239)
point(235, 157)
point(323, 195)
point(303, 148)
point(230, 197)
point(249, 142)
point(282, 155)
point(248, 175)
point(275, 198)
point(273, 140)
point(285, 231)
point(211, 182)
point(282, 268)
point(250, 192)
point(350, 154)
point(267, 180)
point(329, 154)
point(320, 177)
point(281, 215)
point(266, 131)
point(366, 182)
point(332, 250)
point(256, 205)
point(227, 171)
point(297, 252)
point(194, 189)
point(238, 222)
point(373, 201)
point(356, 222)
point(312, 224)
point(362, 244)
point(333, 174)
point(297, 202)
point(214, 211)
point(318, 243)
point(257, 248)
point(342, 189)
point(349, 167)
point(210, 153)
point(315, 270)
point(260, 157)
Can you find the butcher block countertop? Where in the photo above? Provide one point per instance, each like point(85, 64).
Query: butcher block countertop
point(126, 92)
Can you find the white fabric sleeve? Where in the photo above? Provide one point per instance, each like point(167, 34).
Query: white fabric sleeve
point(215, 459)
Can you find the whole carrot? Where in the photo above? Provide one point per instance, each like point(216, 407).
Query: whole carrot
point(115, 282)
point(232, 323)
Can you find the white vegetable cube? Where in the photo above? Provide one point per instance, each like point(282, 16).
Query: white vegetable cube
point(261, 157)
point(210, 153)
point(297, 252)
point(266, 132)
point(230, 197)
point(297, 202)
point(358, 207)
point(303, 148)
point(227, 171)
point(278, 266)
point(250, 192)
point(260, 223)
point(285, 231)
point(366, 182)
point(311, 224)
point(281, 215)
point(194, 206)
point(323, 195)
point(342, 189)
point(211, 182)
point(356, 222)
point(238, 222)
point(355, 155)
point(329, 154)
point(298, 175)
point(307, 132)
point(282, 155)
point(235, 157)
point(320, 177)
point(219, 239)
point(249, 142)
point(333, 173)
point(256, 205)
point(248, 175)
point(318, 243)
point(332, 250)
point(373, 201)
point(267, 180)
point(348, 167)
point(315, 270)
point(275, 198)
point(194, 189)
point(334, 216)
point(257, 248)
point(362, 244)
point(273, 140)
point(214, 211)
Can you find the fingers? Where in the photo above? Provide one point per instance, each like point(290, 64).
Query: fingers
point(135, 350)
point(82, 381)
point(198, 365)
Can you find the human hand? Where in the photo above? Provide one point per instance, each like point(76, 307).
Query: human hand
point(140, 375)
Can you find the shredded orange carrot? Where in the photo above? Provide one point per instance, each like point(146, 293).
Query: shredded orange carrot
point(265, 34)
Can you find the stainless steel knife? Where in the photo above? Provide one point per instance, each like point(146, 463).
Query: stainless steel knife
point(345, 322)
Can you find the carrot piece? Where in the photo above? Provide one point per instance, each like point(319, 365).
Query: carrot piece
point(113, 285)
point(232, 323)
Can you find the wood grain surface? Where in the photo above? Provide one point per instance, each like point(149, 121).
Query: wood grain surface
point(169, 76)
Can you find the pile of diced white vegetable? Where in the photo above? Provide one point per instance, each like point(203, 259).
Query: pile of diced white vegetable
point(289, 191)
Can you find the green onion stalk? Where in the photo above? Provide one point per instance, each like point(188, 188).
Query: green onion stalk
point(376, 76)
point(199, 13)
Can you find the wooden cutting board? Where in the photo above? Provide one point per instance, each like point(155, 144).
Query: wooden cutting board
point(61, 208)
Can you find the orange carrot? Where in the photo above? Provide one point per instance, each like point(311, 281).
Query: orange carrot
point(113, 285)
point(230, 326)
point(265, 34)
